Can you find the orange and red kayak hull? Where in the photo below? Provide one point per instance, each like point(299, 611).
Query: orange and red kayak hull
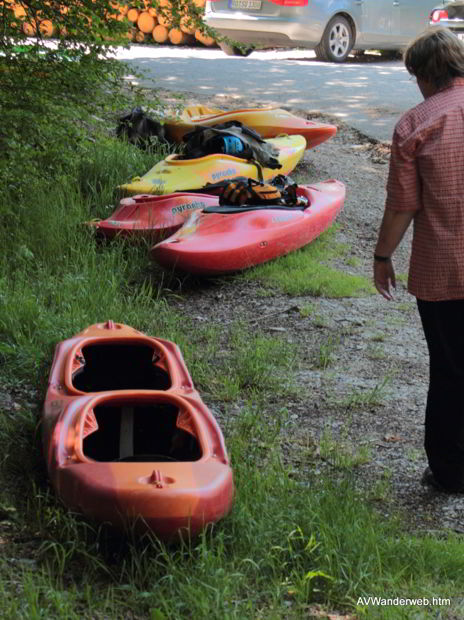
point(269, 122)
point(228, 241)
point(144, 458)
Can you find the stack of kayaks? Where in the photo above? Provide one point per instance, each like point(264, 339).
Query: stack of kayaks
point(192, 232)
point(290, 134)
point(127, 439)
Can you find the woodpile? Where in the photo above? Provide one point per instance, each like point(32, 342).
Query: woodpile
point(161, 25)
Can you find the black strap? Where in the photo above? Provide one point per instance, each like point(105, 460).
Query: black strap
point(260, 170)
point(230, 209)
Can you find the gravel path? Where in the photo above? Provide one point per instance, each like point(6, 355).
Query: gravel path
point(368, 405)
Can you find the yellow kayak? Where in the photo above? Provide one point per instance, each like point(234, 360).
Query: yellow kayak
point(177, 175)
point(269, 122)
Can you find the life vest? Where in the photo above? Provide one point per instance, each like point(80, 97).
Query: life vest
point(247, 192)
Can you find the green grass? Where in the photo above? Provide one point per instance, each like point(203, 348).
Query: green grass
point(287, 544)
point(325, 355)
point(371, 397)
point(294, 539)
point(340, 453)
point(376, 351)
point(308, 271)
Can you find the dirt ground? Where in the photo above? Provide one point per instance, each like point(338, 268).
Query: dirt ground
point(368, 405)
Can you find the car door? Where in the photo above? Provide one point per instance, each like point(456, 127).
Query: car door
point(410, 17)
point(375, 24)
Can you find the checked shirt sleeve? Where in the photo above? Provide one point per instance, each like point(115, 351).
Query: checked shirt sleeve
point(404, 191)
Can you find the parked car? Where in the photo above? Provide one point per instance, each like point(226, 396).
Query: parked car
point(451, 15)
point(331, 27)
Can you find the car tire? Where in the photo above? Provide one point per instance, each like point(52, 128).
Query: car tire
point(233, 50)
point(336, 42)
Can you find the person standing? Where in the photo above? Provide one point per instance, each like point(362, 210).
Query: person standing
point(426, 186)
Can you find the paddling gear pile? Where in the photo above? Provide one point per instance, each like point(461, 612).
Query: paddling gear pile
point(184, 204)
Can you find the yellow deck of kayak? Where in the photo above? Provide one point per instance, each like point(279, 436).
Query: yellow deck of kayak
point(174, 175)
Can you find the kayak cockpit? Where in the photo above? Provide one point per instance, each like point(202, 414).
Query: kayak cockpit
point(119, 366)
point(231, 209)
point(137, 431)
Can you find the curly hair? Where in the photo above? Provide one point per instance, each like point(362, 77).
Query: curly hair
point(436, 55)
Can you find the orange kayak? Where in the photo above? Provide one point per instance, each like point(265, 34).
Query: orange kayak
point(126, 437)
point(269, 122)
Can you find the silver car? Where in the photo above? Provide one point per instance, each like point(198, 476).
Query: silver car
point(451, 15)
point(331, 27)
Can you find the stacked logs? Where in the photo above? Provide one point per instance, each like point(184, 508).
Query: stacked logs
point(158, 24)
point(29, 26)
point(148, 23)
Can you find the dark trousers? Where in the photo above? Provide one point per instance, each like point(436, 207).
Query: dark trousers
point(443, 323)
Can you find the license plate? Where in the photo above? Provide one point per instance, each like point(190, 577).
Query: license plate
point(245, 5)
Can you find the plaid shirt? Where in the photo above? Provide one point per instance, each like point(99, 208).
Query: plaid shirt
point(427, 176)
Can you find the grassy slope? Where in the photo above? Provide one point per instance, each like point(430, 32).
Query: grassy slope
point(290, 544)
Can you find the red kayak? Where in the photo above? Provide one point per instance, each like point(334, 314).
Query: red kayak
point(225, 239)
point(153, 216)
point(126, 437)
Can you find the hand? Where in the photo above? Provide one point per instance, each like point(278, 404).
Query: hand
point(384, 278)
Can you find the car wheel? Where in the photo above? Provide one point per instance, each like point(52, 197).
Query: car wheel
point(337, 40)
point(233, 50)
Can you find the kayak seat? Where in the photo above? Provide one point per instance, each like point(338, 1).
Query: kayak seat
point(229, 209)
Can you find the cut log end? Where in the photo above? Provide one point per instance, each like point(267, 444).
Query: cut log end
point(204, 38)
point(160, 34)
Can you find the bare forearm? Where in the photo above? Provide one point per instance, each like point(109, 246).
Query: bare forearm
point(394, 225)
